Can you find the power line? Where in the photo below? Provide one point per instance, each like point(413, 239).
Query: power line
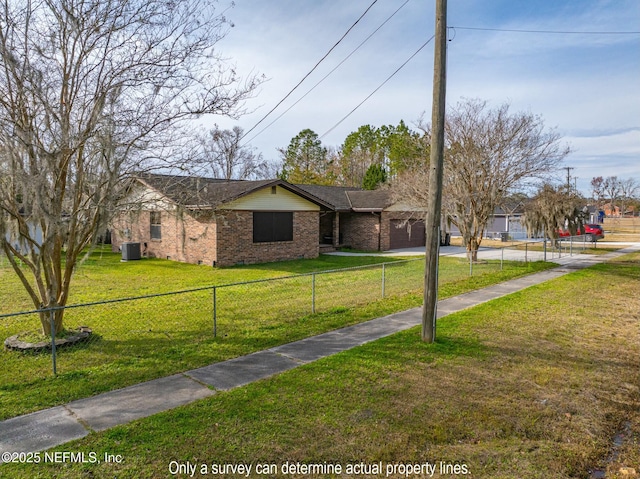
point(559, 32)
point(376, 90)
point(310, 71)
point(330, 73)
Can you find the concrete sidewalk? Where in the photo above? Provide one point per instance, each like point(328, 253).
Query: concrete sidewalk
point(55, 426)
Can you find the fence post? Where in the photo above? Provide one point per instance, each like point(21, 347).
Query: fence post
point(571, 246)
point(383, 275)
point(526, 252)
point(215, 312)
point(52, 320)
point(470, 263)
point(313, 293)
point(501, 257)
point(545, 249)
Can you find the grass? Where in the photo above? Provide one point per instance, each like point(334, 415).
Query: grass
point(535, 385)
point(135, 341)
point(622, 229)
point(627, 225)
point(621, 237)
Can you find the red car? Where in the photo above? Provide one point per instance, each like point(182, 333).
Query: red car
point(593, 232)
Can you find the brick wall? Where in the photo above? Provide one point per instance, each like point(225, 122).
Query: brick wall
point(385, 233)
point(185, 237)
point(360, 230)
point(235, 239)
point(369, 231)
point(199, 236)
point(222, 239)
point(226, 238)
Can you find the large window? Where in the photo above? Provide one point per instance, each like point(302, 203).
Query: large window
point(156, 225)
point(272, 226)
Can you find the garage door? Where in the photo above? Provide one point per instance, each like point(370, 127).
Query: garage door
point(406, 234)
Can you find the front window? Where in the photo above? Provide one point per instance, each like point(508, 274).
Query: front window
point(156, 225)
point(272, 226)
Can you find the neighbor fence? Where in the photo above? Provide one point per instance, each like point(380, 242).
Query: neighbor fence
point(539, 249)
point(159, 334)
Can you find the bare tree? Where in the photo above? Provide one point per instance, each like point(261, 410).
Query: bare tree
point(488, 154)
point(597, 190)
point(629, 188)
point(611, 188)
point(223, 155)
point(90, 91)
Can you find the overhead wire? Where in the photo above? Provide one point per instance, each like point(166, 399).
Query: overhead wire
point(331, 72)
point(559, 32)
point(310, 71)
point(397, 70)
point(471, 28)
point(378, 88)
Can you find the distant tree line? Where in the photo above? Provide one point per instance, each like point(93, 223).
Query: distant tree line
point(492, 155)
point(617, 192)
point(368, 157)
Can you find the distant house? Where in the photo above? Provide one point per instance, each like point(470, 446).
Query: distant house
point(611, 210)
point(506, 220)
point(226, 222)
point(594, 214)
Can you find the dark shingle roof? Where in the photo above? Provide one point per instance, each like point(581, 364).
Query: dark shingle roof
point(200, 192)
point(369, 200)
point(336, 196)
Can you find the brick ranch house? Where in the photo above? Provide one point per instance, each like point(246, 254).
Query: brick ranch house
point(226, 222)
point(366, 220)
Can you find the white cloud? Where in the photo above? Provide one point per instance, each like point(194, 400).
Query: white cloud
point(577, 83)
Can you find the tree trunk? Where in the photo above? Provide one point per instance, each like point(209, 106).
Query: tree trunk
point(472, 249)
point(45, 321)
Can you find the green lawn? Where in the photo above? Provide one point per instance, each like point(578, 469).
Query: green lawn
point(135, 341)
point(532, 385)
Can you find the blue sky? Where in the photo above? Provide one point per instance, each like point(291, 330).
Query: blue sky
point(586, 86)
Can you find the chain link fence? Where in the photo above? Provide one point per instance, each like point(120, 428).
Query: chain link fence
point(534, 250)
point(150, 336)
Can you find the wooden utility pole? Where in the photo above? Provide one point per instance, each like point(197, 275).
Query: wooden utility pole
point(429, 308)
point(568, 168)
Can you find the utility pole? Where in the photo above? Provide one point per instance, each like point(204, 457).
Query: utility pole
point(429, 309)
point(568, 168)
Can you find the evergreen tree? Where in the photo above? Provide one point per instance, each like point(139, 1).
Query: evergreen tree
point(374, 177)
point(306, 161)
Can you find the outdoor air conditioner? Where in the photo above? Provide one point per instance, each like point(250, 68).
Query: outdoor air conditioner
point(130, 251)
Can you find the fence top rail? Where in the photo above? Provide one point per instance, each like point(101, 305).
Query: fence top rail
point(493, 248)
point(240, 283)
point(202, 288)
